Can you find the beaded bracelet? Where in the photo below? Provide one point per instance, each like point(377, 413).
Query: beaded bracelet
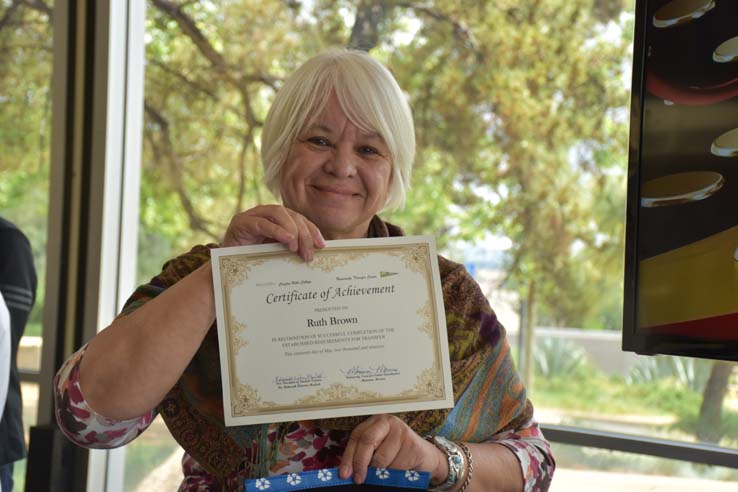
point(469, 465)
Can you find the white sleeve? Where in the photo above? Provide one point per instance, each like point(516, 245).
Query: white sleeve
point(4, 353)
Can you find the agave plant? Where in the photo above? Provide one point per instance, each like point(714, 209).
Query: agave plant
point(558, 357)
point(685, 371)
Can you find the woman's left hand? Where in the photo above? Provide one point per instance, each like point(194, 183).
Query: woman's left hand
point(385, 441)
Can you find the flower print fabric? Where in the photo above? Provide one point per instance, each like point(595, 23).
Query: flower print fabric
point(304, 446)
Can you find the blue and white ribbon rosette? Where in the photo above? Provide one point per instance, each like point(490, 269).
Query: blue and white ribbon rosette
point(328, 477)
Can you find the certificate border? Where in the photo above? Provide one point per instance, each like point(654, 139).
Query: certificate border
point(338, 399)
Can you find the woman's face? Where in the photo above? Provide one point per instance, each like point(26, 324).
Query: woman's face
point(336, 175)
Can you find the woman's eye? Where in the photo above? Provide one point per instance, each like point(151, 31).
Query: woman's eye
point(365, 149)
point(319, 141)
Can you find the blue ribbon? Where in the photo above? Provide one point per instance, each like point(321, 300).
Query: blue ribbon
point(328, 477)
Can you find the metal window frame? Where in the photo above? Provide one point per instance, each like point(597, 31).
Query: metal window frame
point(97, 123)
point(116, 141)
point(706, 454)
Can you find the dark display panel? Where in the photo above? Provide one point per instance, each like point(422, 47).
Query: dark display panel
point(682, 224)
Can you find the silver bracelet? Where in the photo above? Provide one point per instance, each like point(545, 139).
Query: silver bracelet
point(469, 465)
point(456, 463)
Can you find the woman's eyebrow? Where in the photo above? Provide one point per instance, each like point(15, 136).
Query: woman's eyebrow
point(322, 128)
point(328, 130)
point(372, 136)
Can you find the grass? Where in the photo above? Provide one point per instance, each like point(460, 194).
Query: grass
point(147, 452)
point(19, 475)
point(600, 394)
point(33, 330)
point(590, 399)
point(595, 393)
point(141, 459)
point(593, 400)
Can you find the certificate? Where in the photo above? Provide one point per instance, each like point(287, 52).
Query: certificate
point(359, 330)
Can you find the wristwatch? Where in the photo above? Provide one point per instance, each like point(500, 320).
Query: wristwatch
point(456, 463)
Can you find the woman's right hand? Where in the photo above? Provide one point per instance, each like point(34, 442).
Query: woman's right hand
point(274, 223)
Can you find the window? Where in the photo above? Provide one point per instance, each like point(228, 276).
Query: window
point(25, 117)
point(521, 116)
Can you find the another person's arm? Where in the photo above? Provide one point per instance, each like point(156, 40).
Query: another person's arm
point(4, 353)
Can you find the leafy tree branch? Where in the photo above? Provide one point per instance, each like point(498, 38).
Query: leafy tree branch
point(164, 150)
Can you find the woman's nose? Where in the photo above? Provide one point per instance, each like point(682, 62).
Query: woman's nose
point(341, 162)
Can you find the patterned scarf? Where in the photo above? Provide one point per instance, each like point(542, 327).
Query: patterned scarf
point(488, 392)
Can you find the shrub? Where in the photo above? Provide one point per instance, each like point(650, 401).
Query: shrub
point(684, 371)
point(557, 357)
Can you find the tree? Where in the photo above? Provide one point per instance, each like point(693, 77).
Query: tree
point(709, 423)
point(25, 117)
point(491, 155)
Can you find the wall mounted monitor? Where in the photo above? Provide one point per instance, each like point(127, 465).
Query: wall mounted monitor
point(681, 279)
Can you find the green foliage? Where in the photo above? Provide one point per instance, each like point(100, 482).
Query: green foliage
point(593, 392)
point(19, 474)
point(513, 105)
point(668, 397)
point(592, 399)
point(25, 104)
point(558, 357)
point(728, 426)
point(25, 116)
point(677, 399)
point(683, 371)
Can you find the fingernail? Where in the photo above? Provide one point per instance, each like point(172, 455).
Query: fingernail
point(344, 472)
point(358, 478)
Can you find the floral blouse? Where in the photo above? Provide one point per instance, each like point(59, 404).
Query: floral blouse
point(305, 446)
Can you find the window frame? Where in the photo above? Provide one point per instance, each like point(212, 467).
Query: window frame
point(97, 118)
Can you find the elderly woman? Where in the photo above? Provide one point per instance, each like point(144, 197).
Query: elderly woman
point(337, 148)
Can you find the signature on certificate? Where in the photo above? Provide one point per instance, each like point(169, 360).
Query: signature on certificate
point(370, 373)
point(299, 380)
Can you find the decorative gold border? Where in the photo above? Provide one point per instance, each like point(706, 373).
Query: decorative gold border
point(246, 400)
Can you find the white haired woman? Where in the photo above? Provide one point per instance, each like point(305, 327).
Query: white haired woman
point(337, 147)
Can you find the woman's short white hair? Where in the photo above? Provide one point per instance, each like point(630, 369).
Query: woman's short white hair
point(367, 93)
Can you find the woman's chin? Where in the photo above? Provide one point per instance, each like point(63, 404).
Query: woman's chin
point(337, 227)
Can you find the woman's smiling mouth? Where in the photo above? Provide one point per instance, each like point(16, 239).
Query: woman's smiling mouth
point(335, 191)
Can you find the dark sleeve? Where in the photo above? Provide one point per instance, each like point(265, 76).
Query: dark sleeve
point(17, 278)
